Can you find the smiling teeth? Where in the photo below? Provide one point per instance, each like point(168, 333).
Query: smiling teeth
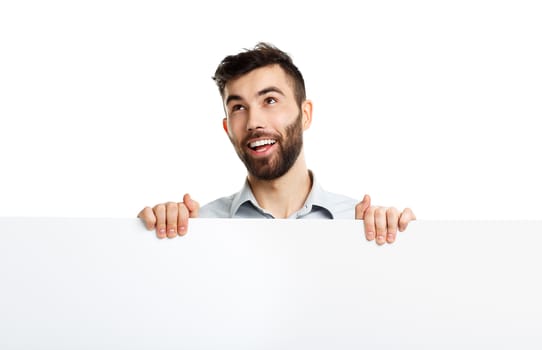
point(261, 143)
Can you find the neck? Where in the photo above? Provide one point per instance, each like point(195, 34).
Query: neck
point(285, 195)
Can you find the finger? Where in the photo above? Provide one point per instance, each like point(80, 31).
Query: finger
point(147, 215)
point(406, 216)
point(369, 223)
point(380, 225)
point(182, 219)
point(362, 207)
point(160, 213)
point(172, 212)
point(191, 205)
point(392, 217)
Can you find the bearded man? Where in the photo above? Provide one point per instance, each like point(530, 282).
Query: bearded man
point(266, 113)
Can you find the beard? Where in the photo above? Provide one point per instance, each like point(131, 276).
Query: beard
point(277, 164)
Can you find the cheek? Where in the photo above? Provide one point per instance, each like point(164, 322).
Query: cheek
point(288, 118)
point(235, 129)
point(278, 117)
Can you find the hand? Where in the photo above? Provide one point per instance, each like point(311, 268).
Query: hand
point(170, 219)
point(382, 222)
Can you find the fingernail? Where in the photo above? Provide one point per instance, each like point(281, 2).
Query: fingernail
point(370, 236)
point(380, 239)
point(391, 236)
point(172, 231)
point(162, 233)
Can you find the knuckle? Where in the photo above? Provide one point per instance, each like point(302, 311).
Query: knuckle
point(171, 205)
point(159, 207)
point(370, 212)
point(380, 213)
point(183, 210)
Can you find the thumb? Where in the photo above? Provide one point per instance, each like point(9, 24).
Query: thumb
point(192, 205)
point(362, 207)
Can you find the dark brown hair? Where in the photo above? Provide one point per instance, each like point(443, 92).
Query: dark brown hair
point(263, 54)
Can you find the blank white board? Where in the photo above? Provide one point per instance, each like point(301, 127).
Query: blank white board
point(269, 284)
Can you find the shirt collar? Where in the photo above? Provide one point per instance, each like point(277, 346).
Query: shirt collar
point(317, 197)
point(242, 197)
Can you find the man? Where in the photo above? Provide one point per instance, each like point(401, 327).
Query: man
point(267, 112)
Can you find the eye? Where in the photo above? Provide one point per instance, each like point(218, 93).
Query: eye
point(270, 100)
point(235, 108)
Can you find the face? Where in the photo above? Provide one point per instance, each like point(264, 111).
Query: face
point(264, 122)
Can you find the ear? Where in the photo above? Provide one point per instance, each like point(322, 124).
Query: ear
point(306, 114)
point(225, 125)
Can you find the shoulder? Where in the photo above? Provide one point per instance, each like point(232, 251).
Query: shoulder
point(219, 208)
point(341, 206)
point(338, 205)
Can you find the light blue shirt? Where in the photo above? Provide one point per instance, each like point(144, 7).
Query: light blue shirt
point(320, 204)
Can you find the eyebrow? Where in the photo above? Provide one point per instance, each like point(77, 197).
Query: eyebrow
point(260, 93)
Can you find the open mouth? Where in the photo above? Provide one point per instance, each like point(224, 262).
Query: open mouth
point(261, 145)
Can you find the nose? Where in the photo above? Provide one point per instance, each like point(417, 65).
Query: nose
point(255, 120)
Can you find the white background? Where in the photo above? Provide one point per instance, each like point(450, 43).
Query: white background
point(108, 106)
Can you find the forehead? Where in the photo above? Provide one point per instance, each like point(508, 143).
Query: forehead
point(249, 84)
